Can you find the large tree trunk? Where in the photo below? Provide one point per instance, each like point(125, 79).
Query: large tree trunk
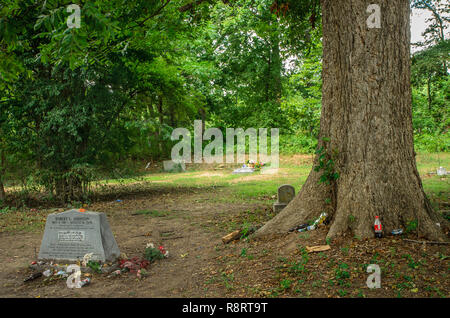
point(367, 115)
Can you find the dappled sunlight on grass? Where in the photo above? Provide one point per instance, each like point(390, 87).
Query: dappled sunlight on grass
point(293, 170)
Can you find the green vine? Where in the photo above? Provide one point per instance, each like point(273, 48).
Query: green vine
point(326, 164)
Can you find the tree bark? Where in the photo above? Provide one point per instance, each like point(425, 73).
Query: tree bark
point(2, 174)
point(277, 66)
point(161, 120)
point(2, 191)
point(367, 117)
point(429, 91)
point(274, 66)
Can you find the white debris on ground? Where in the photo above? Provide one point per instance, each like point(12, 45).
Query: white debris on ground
point(244, 169)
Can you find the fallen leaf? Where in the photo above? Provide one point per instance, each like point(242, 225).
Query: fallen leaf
point(318, 248)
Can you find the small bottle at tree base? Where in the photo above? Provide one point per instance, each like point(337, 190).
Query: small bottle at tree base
point(378, 228)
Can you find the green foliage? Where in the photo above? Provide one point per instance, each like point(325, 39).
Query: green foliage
point(94, 96)
point(342, 274)
point(436, 29)
point(411, 226)
point(299, 267)
point(285, 284)
point(297, 143)
point(152, 254)
point(95, 266)
point(326, 164)
point(246, 230)
point(411, 263)
point(432, 143)
point(430, 90)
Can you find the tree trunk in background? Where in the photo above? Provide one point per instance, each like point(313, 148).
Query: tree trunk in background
point(429, 91)
point(273, 85)
point(2, 174)
point(161, 120)
point(202, 112)
point(2, 191)
point(367, 116)
point(276, 67)
point(269, 73)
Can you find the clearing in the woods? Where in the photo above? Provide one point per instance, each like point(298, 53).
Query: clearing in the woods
point(189, 213)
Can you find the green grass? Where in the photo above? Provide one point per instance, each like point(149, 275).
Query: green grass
point(154, 213)
point(427, 162)
point(16, 220)
point(256, 186)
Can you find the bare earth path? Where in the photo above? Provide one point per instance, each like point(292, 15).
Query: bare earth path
point(191, 248)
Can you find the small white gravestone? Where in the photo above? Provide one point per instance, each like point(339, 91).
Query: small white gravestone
point(286, 193)
point(173, 166)
point(244, 169)
point(441, 171)
point(72, 234)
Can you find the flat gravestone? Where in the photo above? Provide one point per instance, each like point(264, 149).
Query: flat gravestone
point(286, 193)
point(243, 170)
point(72, 234)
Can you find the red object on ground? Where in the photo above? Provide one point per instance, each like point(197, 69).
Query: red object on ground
point(378, 227)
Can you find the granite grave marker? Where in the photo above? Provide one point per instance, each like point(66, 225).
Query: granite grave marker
point(72, 234)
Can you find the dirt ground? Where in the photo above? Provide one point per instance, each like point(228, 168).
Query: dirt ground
point(200, 265)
